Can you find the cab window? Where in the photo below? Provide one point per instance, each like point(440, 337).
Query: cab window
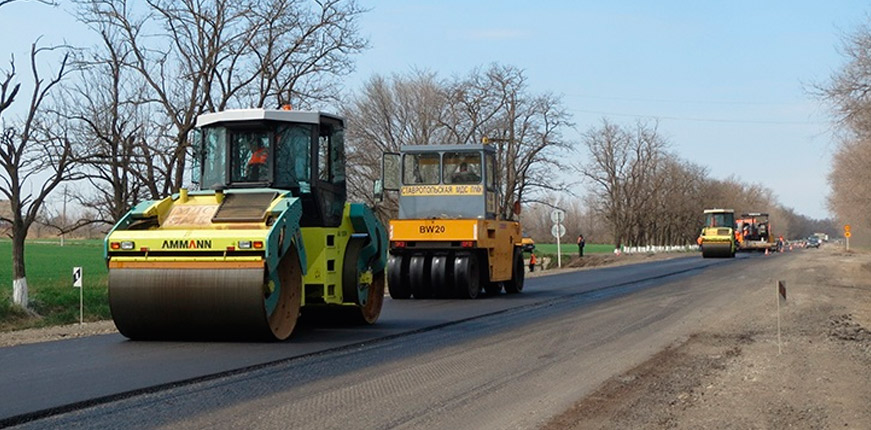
point(462, 168)
point(214, 156)
point(420, 169)
point(490, 171)
point(249, 156)
point(294, 157)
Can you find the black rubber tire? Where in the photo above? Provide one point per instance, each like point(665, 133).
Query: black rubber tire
point(398, 282)
point(418, 273)
point(441, 275)
point(467, 277)
point(515, 285)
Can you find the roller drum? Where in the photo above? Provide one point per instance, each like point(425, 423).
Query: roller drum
point(163, 303)
point(717, 250)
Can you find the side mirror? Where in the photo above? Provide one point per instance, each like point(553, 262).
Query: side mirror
point(390, 171)
point(378, 190)
point(516, 209)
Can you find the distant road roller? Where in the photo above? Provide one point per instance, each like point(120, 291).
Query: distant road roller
point(718, 235)
point(269, 236)
point(449, 240)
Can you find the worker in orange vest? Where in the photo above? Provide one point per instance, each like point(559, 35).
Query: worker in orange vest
point(532, 261)
point(257, 163)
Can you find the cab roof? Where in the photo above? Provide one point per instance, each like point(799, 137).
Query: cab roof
point(236, 115)
point(473, 147)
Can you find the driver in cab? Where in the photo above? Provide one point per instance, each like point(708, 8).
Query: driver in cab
point(464, 176)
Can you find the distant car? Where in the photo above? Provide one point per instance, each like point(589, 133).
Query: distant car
point(527, 244)
point(812, 242)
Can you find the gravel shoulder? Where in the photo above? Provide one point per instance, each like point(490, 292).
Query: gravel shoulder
point(735, 376)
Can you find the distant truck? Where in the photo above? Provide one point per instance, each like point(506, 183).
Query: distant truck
point(754, 232)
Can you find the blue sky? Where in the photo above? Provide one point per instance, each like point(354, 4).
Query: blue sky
point(726, 79)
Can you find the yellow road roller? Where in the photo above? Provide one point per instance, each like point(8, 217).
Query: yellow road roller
point(267, 237)
point(448, 240)
point(717, 238)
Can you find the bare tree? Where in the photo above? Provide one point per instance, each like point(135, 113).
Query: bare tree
point(402, 110)
point(197, 56)
point(420, 109)
point(848, 93)
point(35, 145)
point(526, 130)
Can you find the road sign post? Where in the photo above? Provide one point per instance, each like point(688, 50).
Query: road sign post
point(558, 230)
point(847, 235)
point(77, 283)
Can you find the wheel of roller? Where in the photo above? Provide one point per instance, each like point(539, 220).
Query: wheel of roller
point(441, 275)
point(368, 311)
point(418, 273)
point(397, 269)
point(467, 278)
point(283, 318)
point(515, 285)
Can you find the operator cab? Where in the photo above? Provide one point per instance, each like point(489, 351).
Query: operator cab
point(720, 218)
point(448, 181)
point(302, 152)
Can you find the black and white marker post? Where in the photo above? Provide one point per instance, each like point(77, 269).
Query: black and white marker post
point(77, 283)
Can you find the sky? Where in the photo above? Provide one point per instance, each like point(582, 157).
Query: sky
point(727, 81)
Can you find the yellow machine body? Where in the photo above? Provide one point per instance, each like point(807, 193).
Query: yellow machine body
point(498, 239)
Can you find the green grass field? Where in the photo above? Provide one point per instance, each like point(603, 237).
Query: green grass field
point(49, 282)
point(572, 248)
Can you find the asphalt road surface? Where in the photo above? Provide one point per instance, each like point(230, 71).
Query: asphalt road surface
point(497, 362)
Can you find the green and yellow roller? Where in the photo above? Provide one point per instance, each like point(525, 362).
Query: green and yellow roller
point(717, 238)
point(267, 237)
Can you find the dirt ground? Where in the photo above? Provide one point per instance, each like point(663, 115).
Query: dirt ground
point(733, 376)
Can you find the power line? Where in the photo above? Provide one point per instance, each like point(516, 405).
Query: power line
point(679, 101)
point(694, 119)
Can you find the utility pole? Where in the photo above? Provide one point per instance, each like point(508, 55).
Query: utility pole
point(63, 217)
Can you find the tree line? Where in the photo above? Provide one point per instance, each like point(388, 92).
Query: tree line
point(848, 94)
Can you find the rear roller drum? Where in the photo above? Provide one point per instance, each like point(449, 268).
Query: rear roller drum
point(399, 285)
point(420, 277)
point(467, 278)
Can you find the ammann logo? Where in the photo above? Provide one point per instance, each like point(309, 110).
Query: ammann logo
point(186, 244)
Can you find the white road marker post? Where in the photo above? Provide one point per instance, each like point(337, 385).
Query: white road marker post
point(77, 283)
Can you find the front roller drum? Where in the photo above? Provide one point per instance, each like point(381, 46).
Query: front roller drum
point(717, 250)
point(205, 304)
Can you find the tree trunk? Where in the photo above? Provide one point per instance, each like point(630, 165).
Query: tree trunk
point(19, 277)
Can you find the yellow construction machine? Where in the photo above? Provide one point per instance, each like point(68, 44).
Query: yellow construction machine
point(449, 240)
point(717, 238)
point(269, 235)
